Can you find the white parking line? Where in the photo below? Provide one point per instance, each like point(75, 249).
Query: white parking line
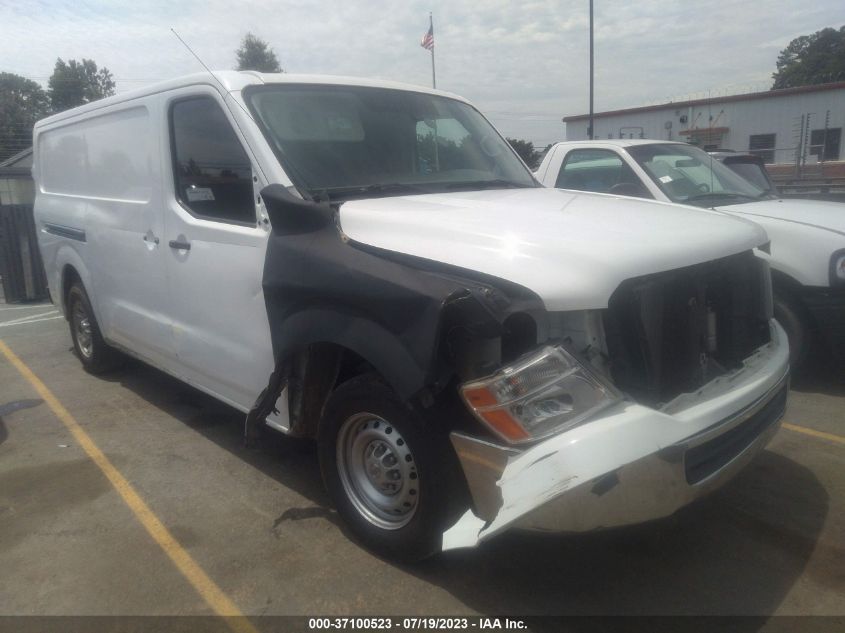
point(32, 307)
point(11, 323)
point(29, 317)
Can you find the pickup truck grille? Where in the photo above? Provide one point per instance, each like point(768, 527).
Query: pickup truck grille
point(670, 333)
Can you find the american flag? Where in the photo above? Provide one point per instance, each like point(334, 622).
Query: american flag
point(428, 39)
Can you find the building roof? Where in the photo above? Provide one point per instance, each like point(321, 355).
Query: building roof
point(17, 166)
point(20, 156)
point(748, 96)
point(235, 81)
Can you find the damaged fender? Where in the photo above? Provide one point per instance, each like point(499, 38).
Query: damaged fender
point(389, 309)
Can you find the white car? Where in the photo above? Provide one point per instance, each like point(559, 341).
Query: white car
point(370, 265)
point(807, 251)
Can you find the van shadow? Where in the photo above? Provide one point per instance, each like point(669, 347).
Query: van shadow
point(737, 552)
point(290, 461)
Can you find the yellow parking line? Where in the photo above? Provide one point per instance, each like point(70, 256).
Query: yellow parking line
point(219, 602)
point(825, 436)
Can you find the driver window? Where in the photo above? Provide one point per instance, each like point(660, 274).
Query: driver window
point(212, 173)
point(600, 171)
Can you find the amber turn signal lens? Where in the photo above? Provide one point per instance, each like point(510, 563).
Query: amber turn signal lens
point(505, 424)
point(480, 397)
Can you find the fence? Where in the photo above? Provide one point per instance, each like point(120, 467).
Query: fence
point(21, 267)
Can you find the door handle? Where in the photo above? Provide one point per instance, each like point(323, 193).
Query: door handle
point(147, 238)
point(178, 245)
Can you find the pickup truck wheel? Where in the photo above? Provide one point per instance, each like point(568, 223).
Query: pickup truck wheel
point(96, 355)
point(790, 314)
point(388, 476)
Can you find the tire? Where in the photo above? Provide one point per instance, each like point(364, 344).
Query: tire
point(391, 478)
point(96, 355)
point(791, 316)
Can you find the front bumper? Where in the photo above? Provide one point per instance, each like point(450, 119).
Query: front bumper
point(632, 463)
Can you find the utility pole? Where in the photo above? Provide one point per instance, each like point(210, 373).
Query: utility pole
point(590, 127)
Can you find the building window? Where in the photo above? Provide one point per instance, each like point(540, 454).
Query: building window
point(762, 145)
point(825, 143)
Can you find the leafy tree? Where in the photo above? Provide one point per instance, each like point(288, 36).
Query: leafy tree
point(75, 83)
point(812, 59)
point(256, 54)
point(526, 151)
point(22, 103)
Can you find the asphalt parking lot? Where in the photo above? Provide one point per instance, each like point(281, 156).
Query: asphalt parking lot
point(256, 522)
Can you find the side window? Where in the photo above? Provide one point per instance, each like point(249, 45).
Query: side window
point(599, 170)
point(212, 172)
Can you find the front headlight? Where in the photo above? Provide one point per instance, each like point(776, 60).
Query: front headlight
point(837, 268)
point(545, 392)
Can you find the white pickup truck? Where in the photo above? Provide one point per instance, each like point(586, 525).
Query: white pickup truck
point(807, 250)
point(369, 264)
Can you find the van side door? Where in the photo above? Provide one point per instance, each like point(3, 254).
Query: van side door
point(100, 212)
point(215, 250)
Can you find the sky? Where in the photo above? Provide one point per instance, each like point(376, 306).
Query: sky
point(524, 64)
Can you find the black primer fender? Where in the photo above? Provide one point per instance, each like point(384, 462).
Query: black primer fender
point(319, 287)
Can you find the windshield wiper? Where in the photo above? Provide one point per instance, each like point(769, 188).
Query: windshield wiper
point(378, 188)
point(495, 183)
point(720, 194)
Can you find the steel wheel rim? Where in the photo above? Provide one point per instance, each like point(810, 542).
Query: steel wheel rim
point(378, 471)
point(82, 330)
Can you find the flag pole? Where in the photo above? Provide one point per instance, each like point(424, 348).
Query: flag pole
point(433, 76)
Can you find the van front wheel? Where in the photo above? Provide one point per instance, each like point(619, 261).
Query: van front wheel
point(96, 355)
point(387, 474)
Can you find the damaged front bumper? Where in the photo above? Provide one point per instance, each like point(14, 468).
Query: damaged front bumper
point(630, 464)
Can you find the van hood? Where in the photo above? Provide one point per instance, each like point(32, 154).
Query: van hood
point(821, 214)
point(571, 249)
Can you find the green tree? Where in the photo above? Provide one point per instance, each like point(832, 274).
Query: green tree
point(256, 54)
point(75, 83)
point(22, 103)
point(526, 152)
point(812, 59)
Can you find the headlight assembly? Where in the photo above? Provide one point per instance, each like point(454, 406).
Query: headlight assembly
point(545, 392)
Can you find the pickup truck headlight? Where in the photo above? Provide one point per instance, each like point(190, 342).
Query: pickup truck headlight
point(837, 268)
point(542, 393)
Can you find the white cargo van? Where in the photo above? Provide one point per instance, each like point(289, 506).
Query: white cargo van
point(369, 264)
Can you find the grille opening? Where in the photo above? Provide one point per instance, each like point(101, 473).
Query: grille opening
point(671, 333)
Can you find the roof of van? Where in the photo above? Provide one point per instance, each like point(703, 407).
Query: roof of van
point(234, 81)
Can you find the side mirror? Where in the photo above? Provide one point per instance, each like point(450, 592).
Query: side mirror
point(291, 215)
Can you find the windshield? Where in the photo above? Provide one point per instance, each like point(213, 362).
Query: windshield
point(339, 142)
point(753, 172)
point(689, 175)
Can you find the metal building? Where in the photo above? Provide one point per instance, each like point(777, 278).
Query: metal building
point(793, 128)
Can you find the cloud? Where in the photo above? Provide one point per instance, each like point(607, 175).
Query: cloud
point(524, 64)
